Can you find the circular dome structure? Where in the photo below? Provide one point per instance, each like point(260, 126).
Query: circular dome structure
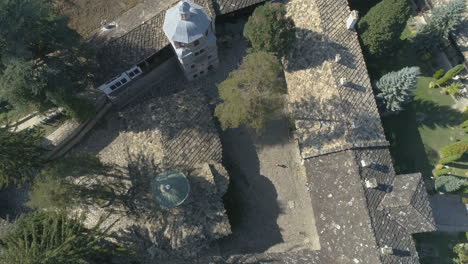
point(170, 188)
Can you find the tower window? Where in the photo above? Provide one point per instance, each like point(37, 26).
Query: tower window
point(210, 67)
point(201, 51)
point(195, 76)
point(202, 72)
point(209, 56)
point(196, 42)
point(193, 66)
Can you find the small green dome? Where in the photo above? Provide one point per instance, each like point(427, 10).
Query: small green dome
point(170, 188)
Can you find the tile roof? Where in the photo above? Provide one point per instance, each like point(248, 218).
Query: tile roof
point(332, 102)
point(227, 6)
point(120, 49)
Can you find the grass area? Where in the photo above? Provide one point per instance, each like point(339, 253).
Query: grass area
point(16, 113)
point(418, 133)
point(437, 247)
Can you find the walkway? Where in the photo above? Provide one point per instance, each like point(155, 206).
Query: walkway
point(274, 211)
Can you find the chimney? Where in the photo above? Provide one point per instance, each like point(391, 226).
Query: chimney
point(386, 250)
point(343, 81)
point(371, 183)
point(363, 163)
point(352, 20)
point(337, 58)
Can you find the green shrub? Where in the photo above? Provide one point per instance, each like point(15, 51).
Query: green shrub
point(439, 166)
point(449, 183)
point(432, 85)
point(450, 159)
point(450, 74)
point(464, 124)
point(381, 27)
point(456, 149)
point(461, 250)
point(438, 74)
point(268, 29)
point(438, 173)
point(454, 89)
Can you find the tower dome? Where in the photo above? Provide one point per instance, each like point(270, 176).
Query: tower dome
point(186, 22)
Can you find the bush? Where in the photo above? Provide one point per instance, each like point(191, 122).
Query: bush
point(381, 27)
point(454, 89)
point(432, 85)
point(456, 149)
point(439, 74)
point(449, 183)
point(462, 253)
point(450, 74)
point(450, 159)
point(439, 166)
point(268, 29)
point(438, 173)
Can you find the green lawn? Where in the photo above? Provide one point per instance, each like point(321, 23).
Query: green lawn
point(418, 133)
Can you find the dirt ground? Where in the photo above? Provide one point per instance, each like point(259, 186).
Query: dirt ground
point(86, 15)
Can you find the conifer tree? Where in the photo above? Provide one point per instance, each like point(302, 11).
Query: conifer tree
point(268, 29)
point(54, 237)
point(443, 21)
point(395, 88)
point(42, 61)
point(381, 27)
point(20, 155)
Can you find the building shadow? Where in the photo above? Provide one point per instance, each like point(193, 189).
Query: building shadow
point(251, 200)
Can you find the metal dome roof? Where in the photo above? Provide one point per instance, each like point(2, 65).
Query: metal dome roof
point(186, 30)
point(170, 188)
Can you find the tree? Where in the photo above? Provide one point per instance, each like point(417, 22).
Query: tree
point(268, 29)
point(252, 94)
point(462, 253)
point(395, 88)
point(449, 183)
point(381, 27)
point(443, 21)
point(42, 60)
point(58, 185)
point(54, 237)
point(20, 155)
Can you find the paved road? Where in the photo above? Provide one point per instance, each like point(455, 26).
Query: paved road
point(449, 212)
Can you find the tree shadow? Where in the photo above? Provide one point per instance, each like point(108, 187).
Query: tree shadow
point(251, 200)
point(175, 234)
point(436, 115)
point(311, 49)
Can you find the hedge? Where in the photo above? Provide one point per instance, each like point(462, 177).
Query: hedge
point(450, 74)
point(457, 149)
point(438, 173)
point(450, 159)
point(438, 74)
